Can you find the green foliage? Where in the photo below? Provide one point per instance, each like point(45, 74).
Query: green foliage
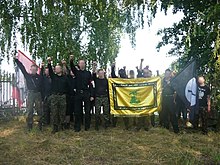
point(87, 28)
point(196, 36)
point(92, 28)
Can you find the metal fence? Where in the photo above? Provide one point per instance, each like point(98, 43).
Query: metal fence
point(7, 102)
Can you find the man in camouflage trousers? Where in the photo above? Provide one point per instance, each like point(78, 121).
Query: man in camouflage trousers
point(101, 97)
point(58, 97)
point(58, 106)
point(204, 105)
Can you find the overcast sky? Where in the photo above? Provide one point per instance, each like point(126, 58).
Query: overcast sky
point(147, 41)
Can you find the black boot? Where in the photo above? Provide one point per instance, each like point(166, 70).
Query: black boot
point(40, 126)
point(77, 130)
point(63, 126)
point(97, 123)
point(77, 127)
point(146, 129)
point(67, 126)
point(86, 128)
point(96, 126)
point(107, 124)
point(29, 126)
point(114, 122)
point(176, 130)
point(55, 129)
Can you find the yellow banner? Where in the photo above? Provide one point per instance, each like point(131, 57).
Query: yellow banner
point(134, 97)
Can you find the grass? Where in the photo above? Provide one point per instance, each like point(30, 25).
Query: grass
point(112, 146)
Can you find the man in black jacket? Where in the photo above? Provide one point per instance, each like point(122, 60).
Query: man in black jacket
point(101, 97)
point(71, 94)
point(34, 86)
point(46, 92)
point(83, 93)
point(58, 97)
point(168, 113)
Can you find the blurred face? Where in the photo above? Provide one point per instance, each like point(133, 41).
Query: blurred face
point(33, 69)
point(82, 64)
point(101, 74)
point(58, 69)
point(167, 74)
point(146, 73)
point(122, 73)
point(46, 72)
point(201, 80)
point(131, 74)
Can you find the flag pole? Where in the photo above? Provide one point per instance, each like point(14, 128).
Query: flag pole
point(194, 109)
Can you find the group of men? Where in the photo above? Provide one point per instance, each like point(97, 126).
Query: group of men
point(62, 94)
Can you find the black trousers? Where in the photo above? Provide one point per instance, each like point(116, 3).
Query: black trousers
point(152, 119)
point(203, 114)
point(181, 108)
point(70, 103)
point(46, 110)
point(169, 113)
point(79, 98)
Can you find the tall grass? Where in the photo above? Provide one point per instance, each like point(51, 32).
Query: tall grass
point(111, 146)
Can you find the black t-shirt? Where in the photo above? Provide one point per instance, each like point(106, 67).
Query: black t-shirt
point(59, 83)
point(46, 89)
point(167, 88)
point(72, 85)
point(203, 91)
point(101, 86)
point(46, 86)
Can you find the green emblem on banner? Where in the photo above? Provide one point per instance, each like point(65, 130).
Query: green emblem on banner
point(134, 99)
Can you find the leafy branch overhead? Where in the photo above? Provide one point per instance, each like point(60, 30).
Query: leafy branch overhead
point(196, 36)
point(93, 28)
point(89, 28)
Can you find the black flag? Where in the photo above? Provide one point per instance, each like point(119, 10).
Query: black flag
point(185, 84)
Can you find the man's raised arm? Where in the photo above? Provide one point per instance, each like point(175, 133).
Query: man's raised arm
point(21, 67)
point(94, 70)
point(72, 66)
point(42, 69)
point(141, 64)
point(113, 75)
point(51, 73)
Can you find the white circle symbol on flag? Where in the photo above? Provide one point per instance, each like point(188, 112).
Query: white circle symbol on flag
point(190, 91)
